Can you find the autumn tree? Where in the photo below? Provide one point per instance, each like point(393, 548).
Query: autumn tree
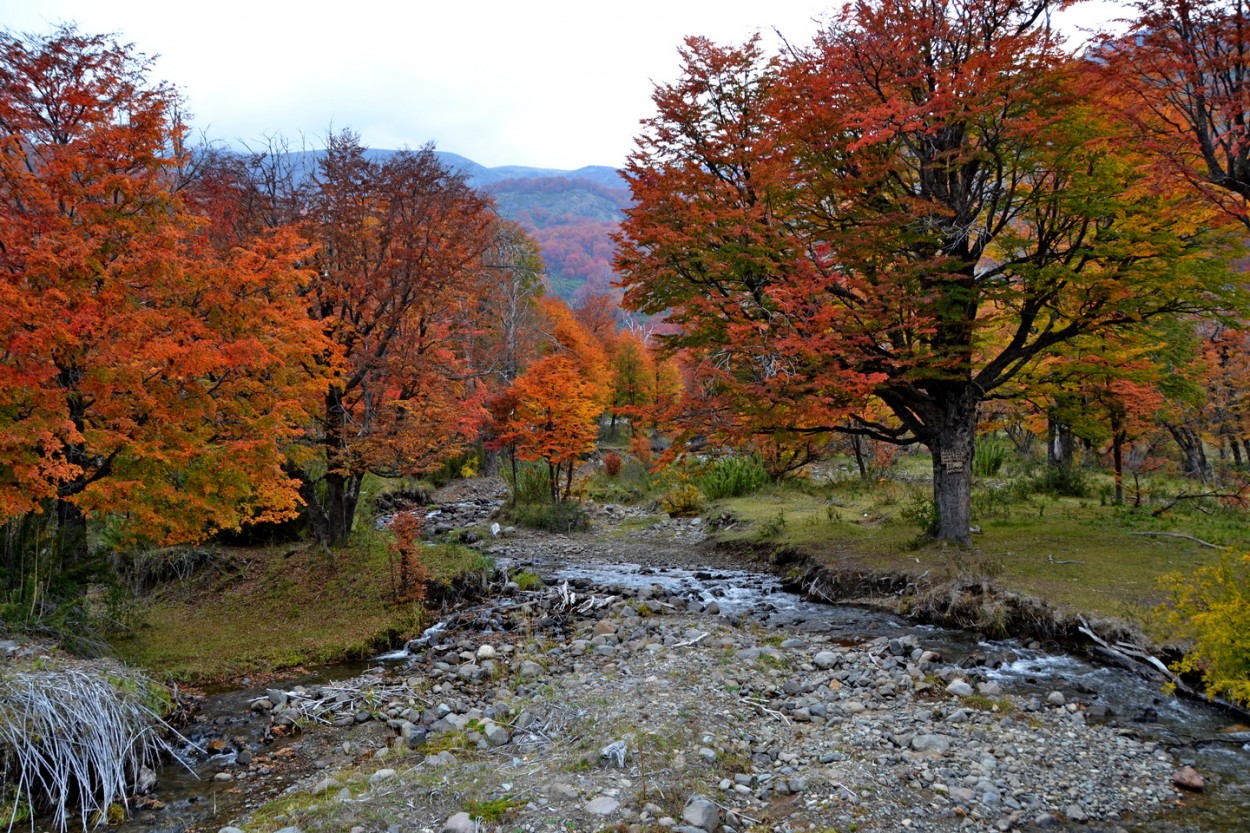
point(1183, 77)
point(911, 210)
point(500, 316)
point(398, 242)
point(145, 375)
point(551, 412)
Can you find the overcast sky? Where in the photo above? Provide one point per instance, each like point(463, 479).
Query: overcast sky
point(548, 83)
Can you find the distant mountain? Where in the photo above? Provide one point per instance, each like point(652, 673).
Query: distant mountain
point(570, 214)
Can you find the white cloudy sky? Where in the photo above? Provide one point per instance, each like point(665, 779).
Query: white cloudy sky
point(551, 83)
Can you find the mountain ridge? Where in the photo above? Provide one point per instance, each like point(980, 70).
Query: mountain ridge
point(570, 214)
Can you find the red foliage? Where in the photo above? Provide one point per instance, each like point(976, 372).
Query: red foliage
point(405, 548)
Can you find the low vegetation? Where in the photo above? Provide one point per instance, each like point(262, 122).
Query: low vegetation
point(68, 764)
point(261, 609)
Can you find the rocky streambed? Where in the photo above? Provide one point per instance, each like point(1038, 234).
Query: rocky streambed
point(654, 685)
point(652, 707)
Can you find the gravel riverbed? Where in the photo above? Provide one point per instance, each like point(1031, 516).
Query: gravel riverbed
point(648, 711)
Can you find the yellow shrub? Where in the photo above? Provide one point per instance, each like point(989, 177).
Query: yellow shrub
point(1212, 607)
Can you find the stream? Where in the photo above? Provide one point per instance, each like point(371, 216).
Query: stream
point(1196, 733)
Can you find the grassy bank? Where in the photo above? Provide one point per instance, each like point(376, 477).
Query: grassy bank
point(1081, 555)
point(259, 609)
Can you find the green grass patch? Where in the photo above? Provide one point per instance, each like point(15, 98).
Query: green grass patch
point(262, 609)
point(1081, 554)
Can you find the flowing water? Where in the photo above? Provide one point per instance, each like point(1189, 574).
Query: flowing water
point(1196, 732)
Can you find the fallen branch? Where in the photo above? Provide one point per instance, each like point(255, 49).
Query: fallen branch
point(1239, 496)
point(690, 642)
point(1183, 537)
point(759, 705)
point(1131, 654)
point(1053, 560)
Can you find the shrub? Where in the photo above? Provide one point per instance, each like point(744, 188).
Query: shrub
point(1061, 481)
point(682, 500)
point(989, 458)
point(612, 464)
point(733, 477)
point(772, 529)
point(528, 580)
point(566, 516)
point(530, 485)
point(1212, 607)
point(921, 511)
point(405, 548)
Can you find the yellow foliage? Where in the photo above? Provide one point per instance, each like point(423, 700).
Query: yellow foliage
point(1212, 607)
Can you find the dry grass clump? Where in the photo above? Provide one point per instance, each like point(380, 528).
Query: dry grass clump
point(74, 738)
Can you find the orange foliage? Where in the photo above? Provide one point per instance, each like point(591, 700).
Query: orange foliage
point(144, 373)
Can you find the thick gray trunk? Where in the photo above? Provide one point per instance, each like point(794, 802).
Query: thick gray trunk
point(952, 442)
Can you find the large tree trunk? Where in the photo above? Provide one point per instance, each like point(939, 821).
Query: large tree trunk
point(332, 520)
point(342, 495)
point(951, 440)
point(71, 523)
point(71, 533)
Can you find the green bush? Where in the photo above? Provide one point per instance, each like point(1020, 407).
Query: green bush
point(772, 529)
point(530, 485)
point(1211, 606)
point(733, 477)
point(1061, 481)
point(566, 516)
point(921, 511)
point(527, 580)
point(989, 458)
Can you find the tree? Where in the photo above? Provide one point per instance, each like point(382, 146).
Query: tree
point(1183, 76)
point(399, 243)
point(144, 375)
point(501, 316)
point(551, 412)
point(911, 210)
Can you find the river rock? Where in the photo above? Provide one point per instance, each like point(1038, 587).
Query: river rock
point(530, 669)
point(1076, 813)
point(325, 786)
point(487, 652)
point(1056, 698)
point(460, 823)
point(496, 735)
point(933, 744)
point(380, 776)
point(959, 688)
point(1187, 778)
point(604, 805)
point(701, 813)
point(825, 660)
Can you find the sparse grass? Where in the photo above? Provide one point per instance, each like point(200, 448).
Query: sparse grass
point(263, 609)
point(980, 702)
point(528, 580)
